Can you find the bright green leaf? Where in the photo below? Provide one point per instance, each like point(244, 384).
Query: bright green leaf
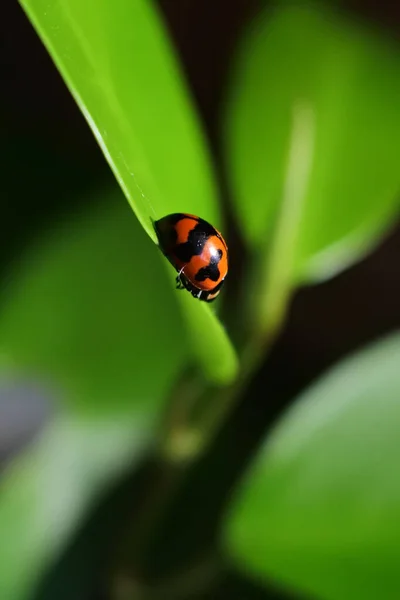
point(312, 142)
point(82, 317)
point(320, 509)
point(117, 61)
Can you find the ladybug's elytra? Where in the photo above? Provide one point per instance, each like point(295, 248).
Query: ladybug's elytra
point(197, 251)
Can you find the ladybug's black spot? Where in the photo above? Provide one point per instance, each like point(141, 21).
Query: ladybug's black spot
point(205, 295)
point(196, 241)
point(211, 271)
point(166, 232)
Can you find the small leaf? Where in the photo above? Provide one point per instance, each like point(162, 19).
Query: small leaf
point(320, 509)
point(79, 317)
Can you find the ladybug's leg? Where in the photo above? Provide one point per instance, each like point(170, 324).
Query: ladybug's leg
point(179, 282)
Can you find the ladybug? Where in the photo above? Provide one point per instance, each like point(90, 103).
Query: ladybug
point(197, 251)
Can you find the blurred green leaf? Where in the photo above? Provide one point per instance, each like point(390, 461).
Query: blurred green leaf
point(320, 509)
point(210, 343)
point(83, 318)
point(312, 141)
point(118, 64)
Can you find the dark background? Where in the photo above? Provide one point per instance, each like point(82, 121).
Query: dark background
point(49, 158)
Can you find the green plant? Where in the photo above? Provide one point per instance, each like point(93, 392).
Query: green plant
point(311, 136)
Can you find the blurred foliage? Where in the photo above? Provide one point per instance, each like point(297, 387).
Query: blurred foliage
point(310, 146)
point(320, 509)
point(77, 317)
point(312, 139)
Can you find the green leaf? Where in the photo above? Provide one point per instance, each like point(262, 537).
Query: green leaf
point(320, 509)
point(210, 343)
point(116, 59)
point(83, 319)
point(312, 143)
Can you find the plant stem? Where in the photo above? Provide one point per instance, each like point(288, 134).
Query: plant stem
point(272, 289)
point(197, 413)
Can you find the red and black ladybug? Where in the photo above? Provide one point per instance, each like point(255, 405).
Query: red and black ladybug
point(197, 251)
